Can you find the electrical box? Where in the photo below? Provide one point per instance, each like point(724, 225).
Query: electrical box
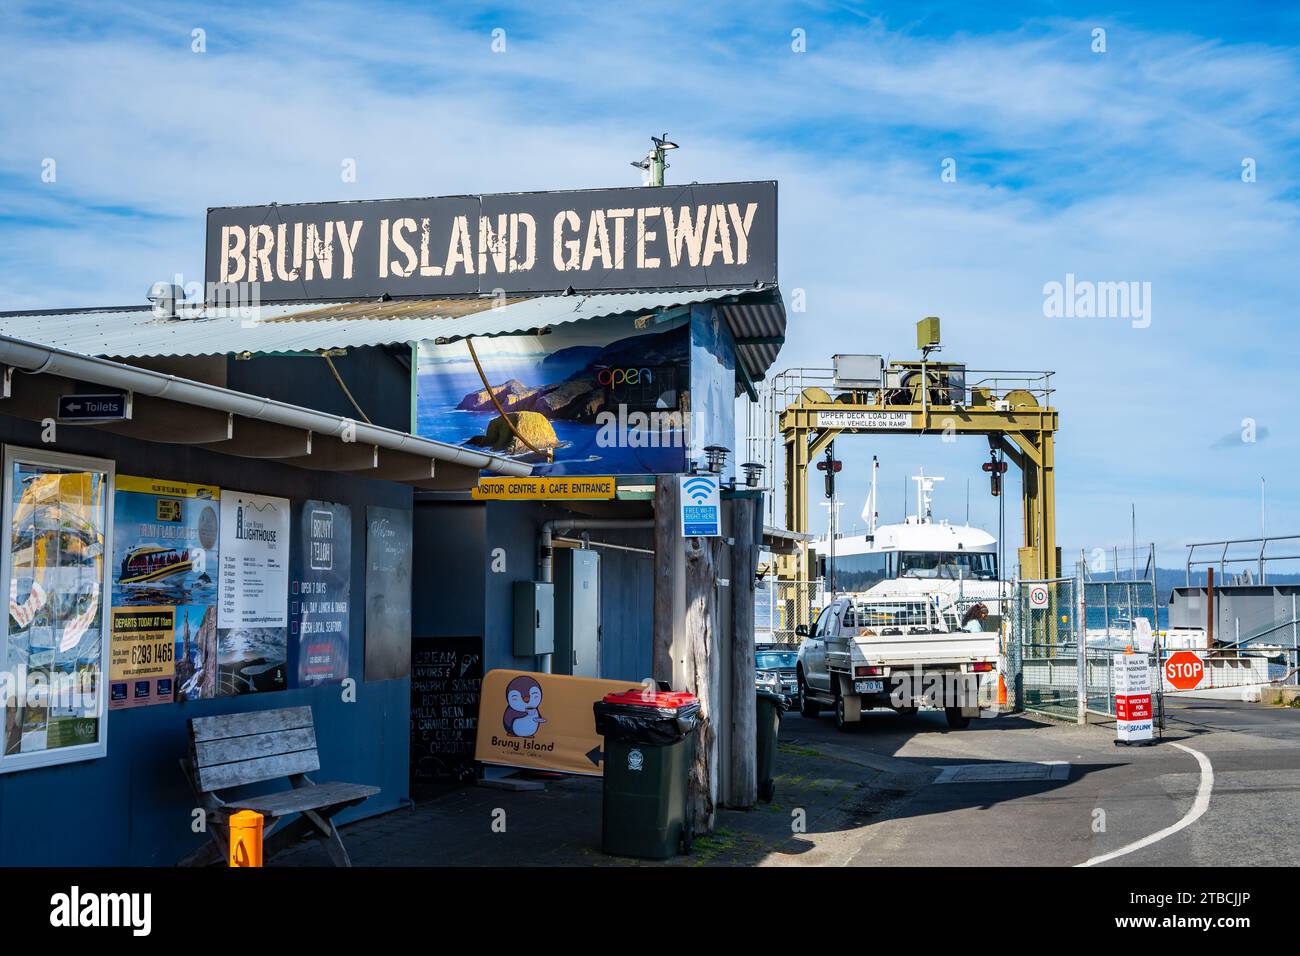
point(534, 618)
point(859, 371)
point(577, 612)
point(927, 332)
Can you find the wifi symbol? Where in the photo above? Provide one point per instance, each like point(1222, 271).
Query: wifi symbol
point(699, 489)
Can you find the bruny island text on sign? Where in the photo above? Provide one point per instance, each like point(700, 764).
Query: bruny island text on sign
point(721, 234)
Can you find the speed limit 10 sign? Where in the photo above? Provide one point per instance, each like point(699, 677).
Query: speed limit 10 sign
point(1184, 670)
point(1038, 596)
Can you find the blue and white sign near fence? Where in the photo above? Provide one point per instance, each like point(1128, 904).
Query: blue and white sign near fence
point(701, 506)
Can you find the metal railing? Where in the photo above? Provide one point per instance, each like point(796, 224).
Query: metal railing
point(762, 442)
point(1222, 561)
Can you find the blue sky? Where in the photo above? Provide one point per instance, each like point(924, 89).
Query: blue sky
point(1115, 166)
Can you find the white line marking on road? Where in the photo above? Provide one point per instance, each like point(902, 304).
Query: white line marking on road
point(1199, 806)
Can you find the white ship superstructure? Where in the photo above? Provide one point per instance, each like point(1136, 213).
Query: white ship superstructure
point(921, 555)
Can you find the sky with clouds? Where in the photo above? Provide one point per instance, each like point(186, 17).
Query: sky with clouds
point(1117, 166)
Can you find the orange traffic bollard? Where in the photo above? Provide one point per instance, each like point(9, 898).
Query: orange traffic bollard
point(1002, 691)
point(246, 838)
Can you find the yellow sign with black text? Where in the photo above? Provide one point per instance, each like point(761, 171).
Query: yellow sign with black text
point(141, 656)
point(542, 721)
point(571, 487)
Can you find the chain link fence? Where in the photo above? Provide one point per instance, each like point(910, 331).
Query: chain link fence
point(1067, 632)
point(1047, 638)
point(780, 606)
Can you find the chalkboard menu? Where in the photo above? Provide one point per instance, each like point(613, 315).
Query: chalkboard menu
point(446, 681)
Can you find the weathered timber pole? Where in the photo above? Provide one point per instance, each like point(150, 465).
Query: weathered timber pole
point(667, 562)
point(703, 677)
point(743, 792)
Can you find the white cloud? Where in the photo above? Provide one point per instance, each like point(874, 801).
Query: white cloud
point(1119, 167)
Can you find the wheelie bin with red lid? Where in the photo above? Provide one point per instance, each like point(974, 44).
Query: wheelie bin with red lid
point(649, 743)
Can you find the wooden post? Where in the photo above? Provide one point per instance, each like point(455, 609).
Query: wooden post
point(743, 791)
point(667, 559)
point(703, 673)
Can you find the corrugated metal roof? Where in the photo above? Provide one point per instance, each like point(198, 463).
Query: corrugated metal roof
point(137, 332)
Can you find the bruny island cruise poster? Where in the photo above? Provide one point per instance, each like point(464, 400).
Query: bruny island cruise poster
point(165, 537)
point(599, 397)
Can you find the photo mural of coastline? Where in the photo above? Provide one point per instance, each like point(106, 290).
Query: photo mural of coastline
point(603, 397)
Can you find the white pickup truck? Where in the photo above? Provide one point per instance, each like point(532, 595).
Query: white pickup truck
point(903, 654)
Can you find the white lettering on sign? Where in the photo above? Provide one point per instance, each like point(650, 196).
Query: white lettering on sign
point(865, 420)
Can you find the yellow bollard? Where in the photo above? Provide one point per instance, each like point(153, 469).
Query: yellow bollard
point(246, 838)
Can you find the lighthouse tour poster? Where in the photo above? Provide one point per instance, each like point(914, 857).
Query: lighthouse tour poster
point(605, 397)
point(163, 639)
point(253, 593)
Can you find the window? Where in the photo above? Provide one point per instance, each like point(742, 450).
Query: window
point(949, 565)
point(823, 619)
point(57, 509)
point(858, 572)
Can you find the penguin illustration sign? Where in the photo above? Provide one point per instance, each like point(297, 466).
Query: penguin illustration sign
point(523, 716)
point(542, 721)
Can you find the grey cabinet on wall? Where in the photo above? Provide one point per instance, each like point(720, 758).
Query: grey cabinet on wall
point(577, 612)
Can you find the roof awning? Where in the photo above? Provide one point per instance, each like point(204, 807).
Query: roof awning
point(781, 541)
point(173, 410)
point(756, 317)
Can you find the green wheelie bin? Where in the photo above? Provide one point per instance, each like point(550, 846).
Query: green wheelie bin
point(768, 711)
point(649, 743)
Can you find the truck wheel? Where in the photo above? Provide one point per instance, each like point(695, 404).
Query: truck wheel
point(841, 720)
point(956, 719)
point(807, 706)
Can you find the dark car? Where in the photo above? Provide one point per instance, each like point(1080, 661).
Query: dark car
point(774, 670)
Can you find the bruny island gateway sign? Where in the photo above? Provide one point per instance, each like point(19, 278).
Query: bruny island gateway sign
point(698, 236)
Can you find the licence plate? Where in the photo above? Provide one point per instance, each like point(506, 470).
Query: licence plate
point(868, 686)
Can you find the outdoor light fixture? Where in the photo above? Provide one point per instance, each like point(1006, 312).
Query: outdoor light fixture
point(753, 472)
point(717, 457)
point(653, 165)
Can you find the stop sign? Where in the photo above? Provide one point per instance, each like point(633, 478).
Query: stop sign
point(1184, 670)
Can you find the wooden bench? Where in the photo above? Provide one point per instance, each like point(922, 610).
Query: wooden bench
point(234, 750)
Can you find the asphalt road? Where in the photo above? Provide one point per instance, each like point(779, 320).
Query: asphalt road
point(1014, 790)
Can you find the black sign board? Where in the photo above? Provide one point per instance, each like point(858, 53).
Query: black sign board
point(710, 235)
point(113, 407)
point(388, 593)
point(320, 609)
point(446, 684)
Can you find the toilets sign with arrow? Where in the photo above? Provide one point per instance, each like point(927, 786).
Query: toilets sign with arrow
point(111, 407)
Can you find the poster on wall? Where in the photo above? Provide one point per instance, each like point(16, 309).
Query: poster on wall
point(53, 655)
point(604, 397)
point(141, 656)
point(165, 558)
point(388, 593)
point(322, 592)
point(253, 594)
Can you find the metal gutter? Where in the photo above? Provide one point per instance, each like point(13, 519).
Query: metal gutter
point(34, 359)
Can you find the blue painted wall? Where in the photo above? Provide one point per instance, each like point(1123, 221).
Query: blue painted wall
point(133, 806)
point(458, 593)
point(713, 387)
